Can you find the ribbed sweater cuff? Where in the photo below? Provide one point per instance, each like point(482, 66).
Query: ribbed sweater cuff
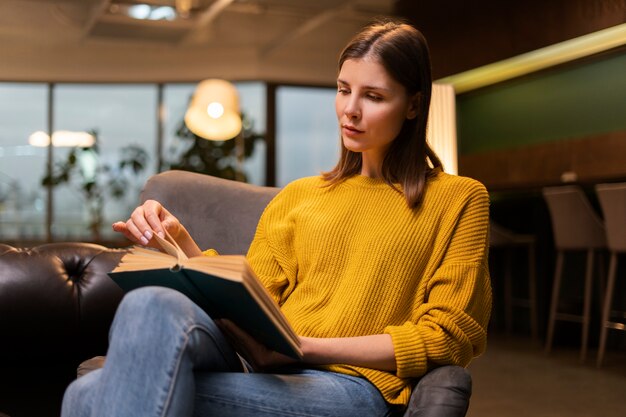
point(409, 350)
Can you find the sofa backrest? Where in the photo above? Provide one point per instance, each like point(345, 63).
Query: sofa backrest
point(218, 213)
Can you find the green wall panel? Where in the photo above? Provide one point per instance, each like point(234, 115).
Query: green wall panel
point(564, 103)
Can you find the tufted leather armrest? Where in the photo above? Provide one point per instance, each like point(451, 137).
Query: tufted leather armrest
point(56, 301)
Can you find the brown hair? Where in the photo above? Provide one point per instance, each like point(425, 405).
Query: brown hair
point(403, 51)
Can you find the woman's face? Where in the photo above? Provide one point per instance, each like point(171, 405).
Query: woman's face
point(371, 107)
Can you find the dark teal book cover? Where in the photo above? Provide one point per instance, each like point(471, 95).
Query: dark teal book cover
point(219, 297)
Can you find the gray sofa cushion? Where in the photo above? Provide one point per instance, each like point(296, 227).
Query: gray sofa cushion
point(219, 214)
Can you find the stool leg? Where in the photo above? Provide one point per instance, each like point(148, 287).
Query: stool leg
point(602, 280)
point(508, 292)
point(556, 288)
point(587, 304)
point(606, 308)
point(532, 292)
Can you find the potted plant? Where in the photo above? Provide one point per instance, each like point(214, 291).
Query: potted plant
point(96, 181)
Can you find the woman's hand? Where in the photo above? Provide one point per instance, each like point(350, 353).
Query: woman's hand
point(151, 217)
point(258, 356)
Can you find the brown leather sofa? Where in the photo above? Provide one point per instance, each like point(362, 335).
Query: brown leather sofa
point(56, 305)
point(57, 301)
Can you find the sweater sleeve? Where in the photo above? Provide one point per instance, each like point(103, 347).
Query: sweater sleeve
point(210, 252)
point(449, 327)
point(271, 254)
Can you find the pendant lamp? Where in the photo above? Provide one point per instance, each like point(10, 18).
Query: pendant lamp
point(213, 113)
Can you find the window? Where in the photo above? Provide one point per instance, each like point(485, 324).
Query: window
point(124, 118)
point(175, 101)
point(307, 134)
point(23, 110)
point(252, 97)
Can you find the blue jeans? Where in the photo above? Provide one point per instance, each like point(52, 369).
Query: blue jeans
point(168, 358)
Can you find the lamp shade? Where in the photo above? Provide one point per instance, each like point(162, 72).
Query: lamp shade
point(214, 110)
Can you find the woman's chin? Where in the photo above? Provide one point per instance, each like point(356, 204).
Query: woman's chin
point(353, 145)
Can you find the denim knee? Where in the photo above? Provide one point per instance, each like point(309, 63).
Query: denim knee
point(148, 299)
point(153, 308)
point(79, 395)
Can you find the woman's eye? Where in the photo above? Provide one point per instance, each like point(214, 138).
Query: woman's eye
point(342, 90)
point(374, 97)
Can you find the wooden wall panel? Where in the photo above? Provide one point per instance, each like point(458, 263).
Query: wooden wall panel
point(467, 34)
point(593, 159)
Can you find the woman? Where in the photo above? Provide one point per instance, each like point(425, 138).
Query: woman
point(380, 265)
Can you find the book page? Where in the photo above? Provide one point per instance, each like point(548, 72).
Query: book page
point(140, 258)
point(170, 246)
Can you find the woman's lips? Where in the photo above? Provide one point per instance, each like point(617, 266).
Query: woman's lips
point(350, 130)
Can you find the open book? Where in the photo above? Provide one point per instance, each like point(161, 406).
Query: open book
point(224, 286)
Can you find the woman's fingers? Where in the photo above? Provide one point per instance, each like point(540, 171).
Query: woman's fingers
point(149, 218)
point(145, 220)
point(140, 234)
point(120, 227)
point(154, 214)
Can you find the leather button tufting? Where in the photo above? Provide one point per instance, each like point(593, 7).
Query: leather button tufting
point(75, 272)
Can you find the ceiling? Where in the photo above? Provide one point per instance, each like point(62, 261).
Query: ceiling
point(90, 41)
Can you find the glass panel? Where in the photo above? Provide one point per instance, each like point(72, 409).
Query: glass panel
point(252, 102)
point(175, 100)
point(307, 134)
point(103, 187)
point(252, 96)
point(22, 198)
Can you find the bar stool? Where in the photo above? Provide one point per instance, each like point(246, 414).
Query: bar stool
point(576, 227)
point(502, 238)
point(613, 202)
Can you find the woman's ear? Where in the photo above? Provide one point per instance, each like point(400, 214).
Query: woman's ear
point(414, 102)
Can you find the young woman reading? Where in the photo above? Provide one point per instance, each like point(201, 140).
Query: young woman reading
point(380, 266)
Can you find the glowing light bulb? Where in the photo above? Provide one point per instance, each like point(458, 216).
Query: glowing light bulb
point(139, 11)
point(62, 138)
point(215, 110)
point(39, 139)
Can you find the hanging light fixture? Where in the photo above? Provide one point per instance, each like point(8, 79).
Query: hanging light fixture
point(64, 138)
point(214, 111)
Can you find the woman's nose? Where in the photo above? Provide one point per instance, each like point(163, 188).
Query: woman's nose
point(352, 109)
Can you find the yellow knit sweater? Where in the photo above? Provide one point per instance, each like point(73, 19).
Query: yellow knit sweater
point(354, 260)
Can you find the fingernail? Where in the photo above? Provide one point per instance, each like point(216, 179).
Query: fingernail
point(148, 234)
point(161, 235)
point(143, 240)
